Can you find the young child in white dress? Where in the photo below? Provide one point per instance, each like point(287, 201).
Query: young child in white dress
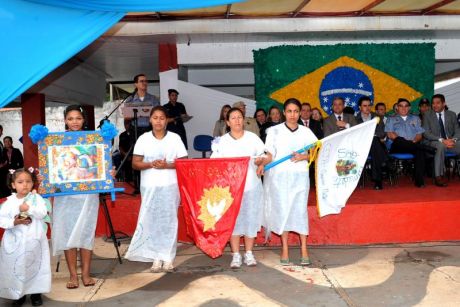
point(24, 252)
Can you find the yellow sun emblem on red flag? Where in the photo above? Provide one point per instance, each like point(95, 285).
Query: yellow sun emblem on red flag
point(213, 204)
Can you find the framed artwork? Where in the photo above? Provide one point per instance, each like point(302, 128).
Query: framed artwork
point(75, 162)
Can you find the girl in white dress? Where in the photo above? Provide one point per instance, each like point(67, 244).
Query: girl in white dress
point(155, 238)
point(24, 253)
point(288, 183)
point(75, 219)
point(239, 143)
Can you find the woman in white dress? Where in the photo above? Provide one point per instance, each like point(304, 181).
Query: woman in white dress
point(155, 238)
point(24, 253)
point(239, 143)
point(75, 219)
point(287, 184)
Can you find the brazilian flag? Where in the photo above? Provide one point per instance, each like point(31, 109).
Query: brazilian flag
point(317, 74)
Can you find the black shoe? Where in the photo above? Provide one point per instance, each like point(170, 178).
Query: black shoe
point(19, 302)
point(420, 185)
point(439, 182)
point(378, 185)
point(36, 299)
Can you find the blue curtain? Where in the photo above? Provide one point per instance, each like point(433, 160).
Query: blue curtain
point(39, 35)
point(134, 5)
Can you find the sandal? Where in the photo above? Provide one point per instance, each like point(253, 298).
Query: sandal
point(89, 284)
point(285, 262)
point(71, 284)
point(305, 261)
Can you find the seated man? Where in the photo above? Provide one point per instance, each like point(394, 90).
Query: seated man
point(381, 110)
point(423, 107)
point(338, 120)
point(405, 131)
point(442, 133)
point(378, 151)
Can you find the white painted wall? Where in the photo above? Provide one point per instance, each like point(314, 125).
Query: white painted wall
point(202, 103)
point(452, 93)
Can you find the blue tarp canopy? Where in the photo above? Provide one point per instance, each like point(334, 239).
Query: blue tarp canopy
point(39, 35)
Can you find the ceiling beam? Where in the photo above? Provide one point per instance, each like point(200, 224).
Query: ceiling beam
point(227, 13)
point(435, 6)
point(370, 6)
point(300, 7)
point(447, 75)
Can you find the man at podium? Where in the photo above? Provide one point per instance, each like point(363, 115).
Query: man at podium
point(140, 99)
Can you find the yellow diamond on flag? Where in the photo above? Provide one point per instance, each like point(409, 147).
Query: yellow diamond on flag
point(311, 87)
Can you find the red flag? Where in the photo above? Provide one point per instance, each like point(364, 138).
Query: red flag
point(211, 191)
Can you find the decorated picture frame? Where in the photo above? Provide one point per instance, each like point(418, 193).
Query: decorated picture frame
point(75, 162)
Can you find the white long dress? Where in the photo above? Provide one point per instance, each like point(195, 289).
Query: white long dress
point(249, 220)
point(74, 222)
point(287, 184)
point(24, 253)
point(155, 237)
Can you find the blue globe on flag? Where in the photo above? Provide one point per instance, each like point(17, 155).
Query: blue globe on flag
point(346, 82)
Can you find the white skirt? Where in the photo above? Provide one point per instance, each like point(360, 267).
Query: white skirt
point(74, 222)
point(24, 263)
point(155, 237)
point(249, 220)
point(286, 199)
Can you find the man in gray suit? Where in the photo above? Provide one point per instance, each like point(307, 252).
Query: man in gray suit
point(442, 133)
point(338, 120)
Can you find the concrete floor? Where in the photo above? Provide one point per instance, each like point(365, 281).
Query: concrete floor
point(387, 275)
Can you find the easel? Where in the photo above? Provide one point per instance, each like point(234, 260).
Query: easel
point(116, 243)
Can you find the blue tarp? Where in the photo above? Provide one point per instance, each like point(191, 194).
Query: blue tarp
point(124, 6)
point(39, 35)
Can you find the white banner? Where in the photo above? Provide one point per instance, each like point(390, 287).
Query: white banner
point(339, 165)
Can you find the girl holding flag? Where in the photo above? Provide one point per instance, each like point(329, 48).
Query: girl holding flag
point(238, 143)
point(287, 184)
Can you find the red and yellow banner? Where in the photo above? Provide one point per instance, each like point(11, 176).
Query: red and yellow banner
point(211, 191)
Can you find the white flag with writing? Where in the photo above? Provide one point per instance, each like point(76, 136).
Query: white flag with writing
point(339, 165)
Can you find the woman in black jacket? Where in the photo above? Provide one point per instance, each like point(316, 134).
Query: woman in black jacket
point(12, 157)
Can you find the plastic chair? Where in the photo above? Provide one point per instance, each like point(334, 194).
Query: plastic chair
point(451, 164)
point(400, 163)
point(202, 143)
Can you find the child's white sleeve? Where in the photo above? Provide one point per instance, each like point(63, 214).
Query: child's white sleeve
point(6, 216)
point(38, 210)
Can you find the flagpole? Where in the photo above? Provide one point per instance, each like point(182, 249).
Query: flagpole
point(274, 163)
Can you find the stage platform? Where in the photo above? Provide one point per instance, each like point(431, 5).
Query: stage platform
point(396, 214)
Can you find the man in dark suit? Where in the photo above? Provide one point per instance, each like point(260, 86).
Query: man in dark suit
point(378, 150)
point(338, 120)
point(442, 133)
point(306, 120)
